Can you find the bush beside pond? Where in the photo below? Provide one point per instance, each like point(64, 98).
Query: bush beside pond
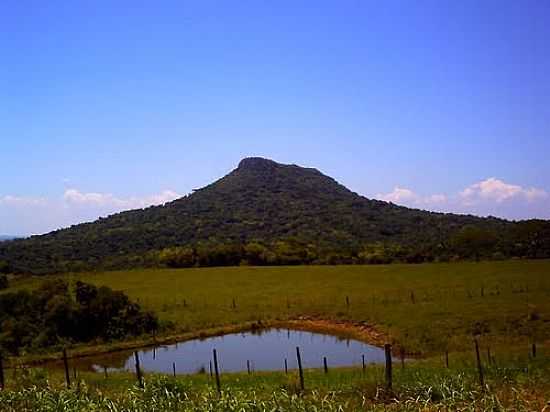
point(54, 314)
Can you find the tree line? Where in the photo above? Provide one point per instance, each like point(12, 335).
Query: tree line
point(529, 239)
point(470, 243)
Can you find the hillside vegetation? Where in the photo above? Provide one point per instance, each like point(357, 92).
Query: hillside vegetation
point(265, 213)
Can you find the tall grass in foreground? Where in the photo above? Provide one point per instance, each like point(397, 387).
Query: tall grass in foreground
point(162, 395)
point(425, 388)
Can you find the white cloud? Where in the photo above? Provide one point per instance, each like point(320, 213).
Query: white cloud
point(398, 195)
point(491, 196)
point(163, 197)
point(9, 200)
point(404, 196)
point(493, 189)
point(74, 196)
point(30, 215)
point(532, 194)
point(435, 199)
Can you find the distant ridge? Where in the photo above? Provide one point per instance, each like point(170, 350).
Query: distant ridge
point(264, 212)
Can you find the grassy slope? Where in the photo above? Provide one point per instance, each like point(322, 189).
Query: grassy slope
point(448, 301)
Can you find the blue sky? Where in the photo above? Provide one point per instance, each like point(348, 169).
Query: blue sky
point(108, 105)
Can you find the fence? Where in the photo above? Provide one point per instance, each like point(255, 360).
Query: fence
point(215, 372)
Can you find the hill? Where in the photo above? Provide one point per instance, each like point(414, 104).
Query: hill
point(264, 212)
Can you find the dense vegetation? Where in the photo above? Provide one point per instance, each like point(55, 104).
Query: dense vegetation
point(267, 213)
point(53, 315)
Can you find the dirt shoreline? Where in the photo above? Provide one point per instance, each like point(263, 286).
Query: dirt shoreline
point(360, 331)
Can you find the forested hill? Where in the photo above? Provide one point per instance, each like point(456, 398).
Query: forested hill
point(264, 212)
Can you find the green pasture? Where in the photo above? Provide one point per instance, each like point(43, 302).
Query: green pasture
point(427, 308)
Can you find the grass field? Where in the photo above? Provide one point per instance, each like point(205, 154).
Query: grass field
point(511, 384)
point(426, 308)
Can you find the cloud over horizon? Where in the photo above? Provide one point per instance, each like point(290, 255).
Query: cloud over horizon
point(35, 215)
point(493, 189)
point(404, 196)
point(491, 196)
point(75, 197)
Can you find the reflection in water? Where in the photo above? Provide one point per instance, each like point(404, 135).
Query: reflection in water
point(265, 350)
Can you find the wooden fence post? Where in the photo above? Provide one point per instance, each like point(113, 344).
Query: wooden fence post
point(1, 372)
point(211, 372)
point(363, 359)
point(286, 366)
point(248, 366)
point(387, 351)
point(138, 370)
point(66, 365)
point(325, 364)
point(216, 370)
point(300, 367)
point(174, 368)
point(490, 357)
point(479, 366)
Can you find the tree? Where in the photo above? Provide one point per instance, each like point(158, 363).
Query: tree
point(53, 314)
point(255, 253)
point(473, 241)
point(530, 237)
point(177, 257)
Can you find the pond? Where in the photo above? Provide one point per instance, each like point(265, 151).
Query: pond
point(265, 350)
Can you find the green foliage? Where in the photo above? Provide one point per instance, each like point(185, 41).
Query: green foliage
point(177, 257)
point(51, 315)
point(380, 253)
point(273, 214)
point(474, 242)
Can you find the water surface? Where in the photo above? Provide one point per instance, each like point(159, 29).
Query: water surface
point(265, 350)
